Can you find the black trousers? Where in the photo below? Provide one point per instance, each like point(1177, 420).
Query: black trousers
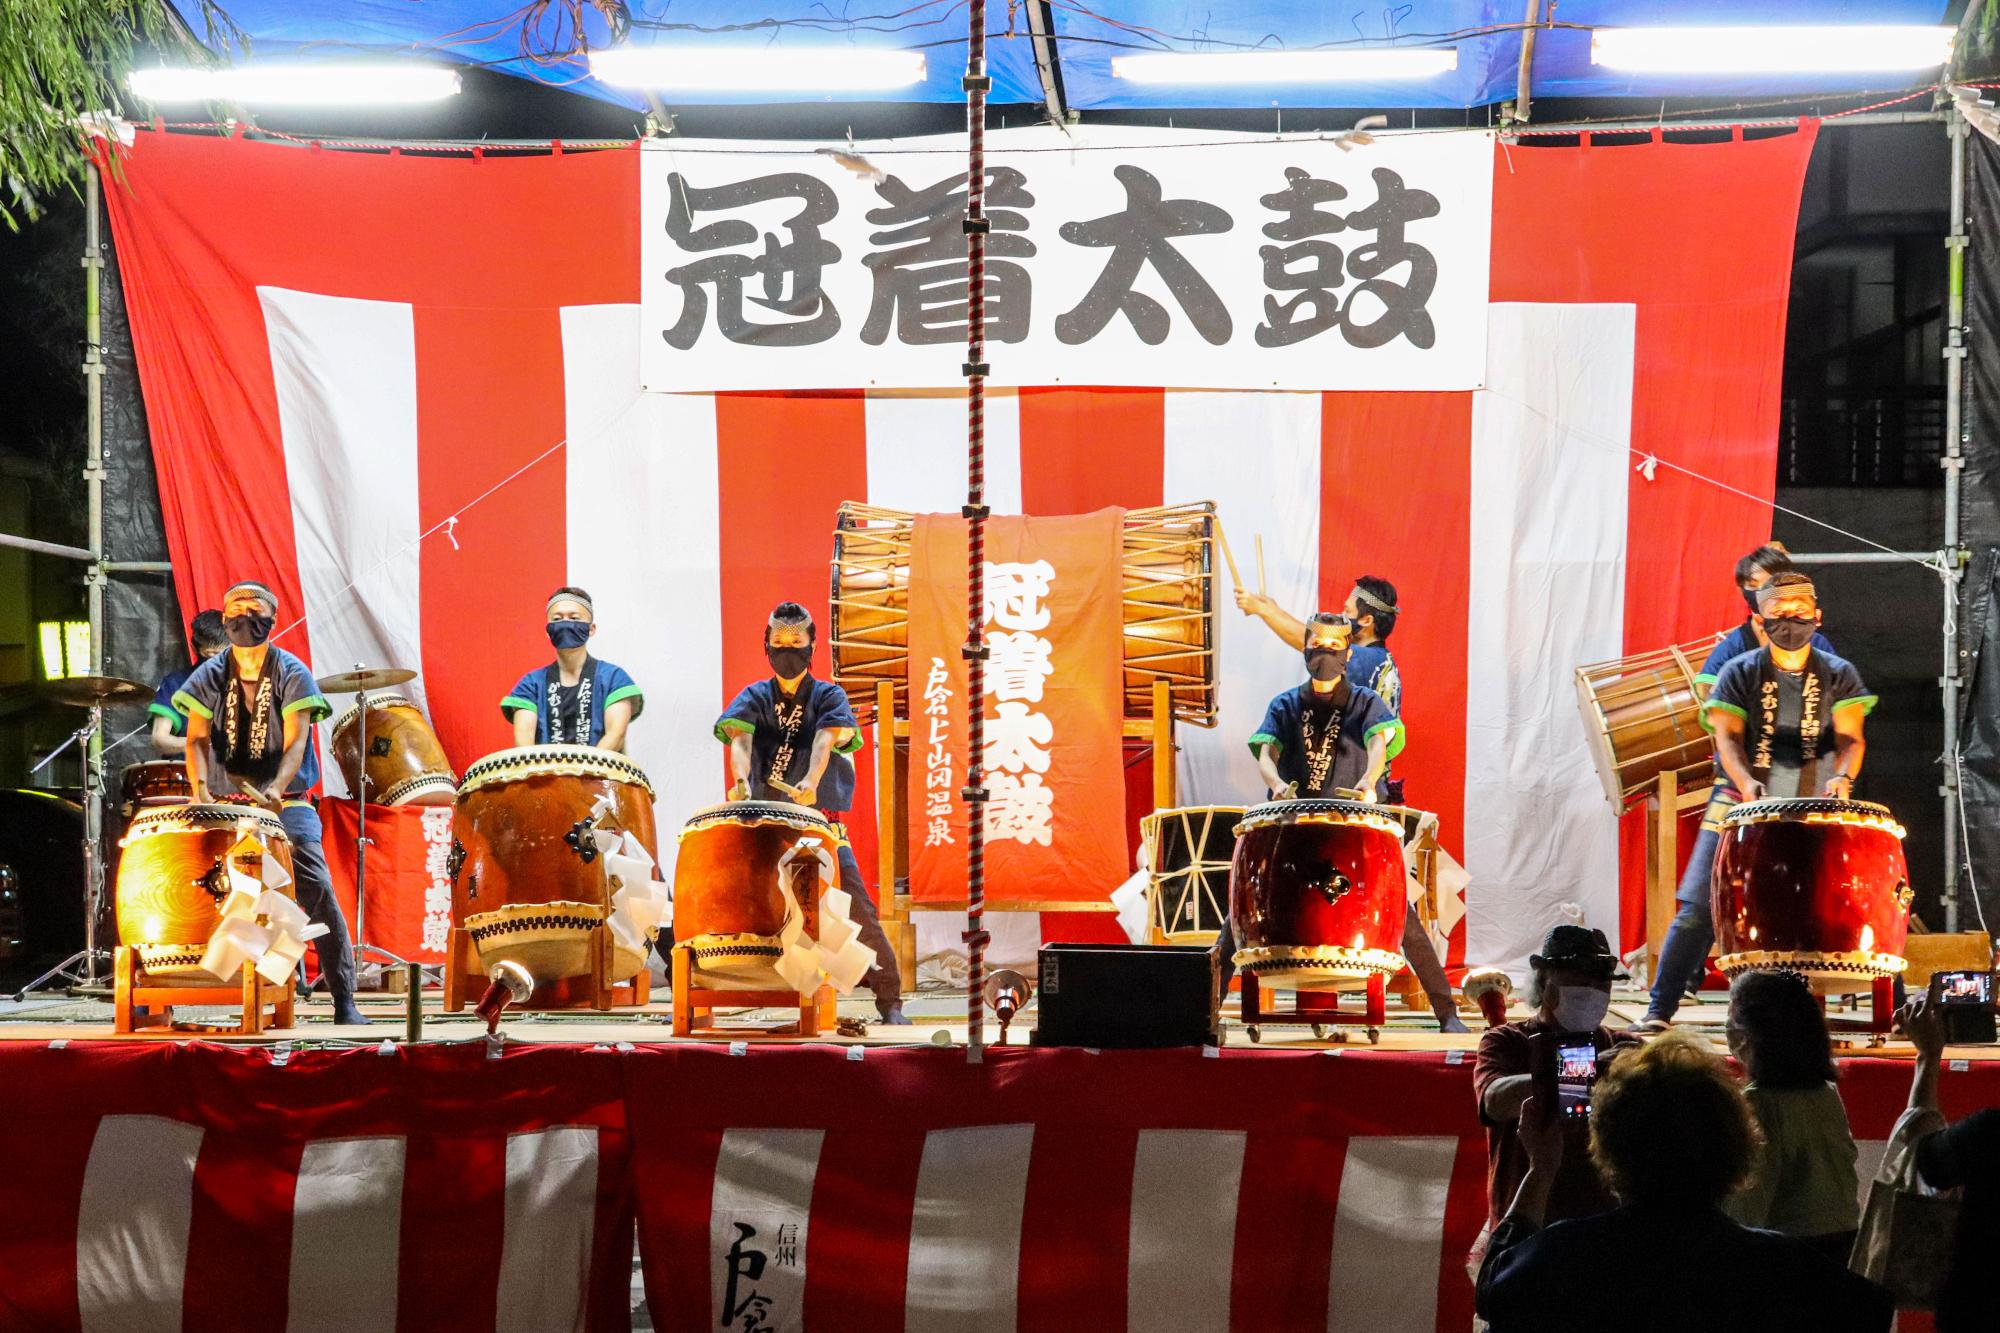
point(313, 887)
point(885, 979)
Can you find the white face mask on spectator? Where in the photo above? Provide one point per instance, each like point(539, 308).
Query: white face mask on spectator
point(1581, 1008)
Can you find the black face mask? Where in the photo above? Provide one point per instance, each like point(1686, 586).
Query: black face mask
point(1749, 599)
point(788, 662)
point(249, 630)
point(569, 633)
point(1325, 664)
point(1789, 632)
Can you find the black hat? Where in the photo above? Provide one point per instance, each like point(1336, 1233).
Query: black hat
point(1580, 949)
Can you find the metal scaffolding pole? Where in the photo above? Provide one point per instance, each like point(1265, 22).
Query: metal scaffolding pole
point(1953, 463)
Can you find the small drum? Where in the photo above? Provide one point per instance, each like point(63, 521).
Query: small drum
point(405, 765)
point(154, 782)
point(172, 881)
point(1188, 851)
point(1812, 885)
point(528, 884)
point(729, 909)
point(1642, 718)
point(1316, 893)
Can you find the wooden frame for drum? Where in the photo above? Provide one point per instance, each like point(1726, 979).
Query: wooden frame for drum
point(1169, 599)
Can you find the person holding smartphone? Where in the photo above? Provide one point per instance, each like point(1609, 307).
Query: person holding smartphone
point(1562, 1046)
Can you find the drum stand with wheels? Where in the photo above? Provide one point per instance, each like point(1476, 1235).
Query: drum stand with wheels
point(80, 968)
point(1318, 1010)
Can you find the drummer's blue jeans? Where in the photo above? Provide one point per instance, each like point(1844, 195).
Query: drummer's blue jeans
point(314, 890)
point(1693, 931)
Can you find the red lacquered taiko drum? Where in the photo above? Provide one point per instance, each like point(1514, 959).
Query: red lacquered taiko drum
point(729, 906)
point(1815, 886)
point(528, 882)
point(1316, 893)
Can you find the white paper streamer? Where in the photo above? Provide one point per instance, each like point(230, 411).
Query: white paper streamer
point(260, 924)
point(838, 954)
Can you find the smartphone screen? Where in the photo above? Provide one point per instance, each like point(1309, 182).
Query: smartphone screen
point(1972, 988)
point(1576, 1071)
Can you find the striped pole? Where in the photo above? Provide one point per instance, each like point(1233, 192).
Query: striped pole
point(976, 84)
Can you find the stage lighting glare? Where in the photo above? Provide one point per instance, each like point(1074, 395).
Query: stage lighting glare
point(747, 69)
point(1841, 49)
point(1354, 65)
point(381, 84)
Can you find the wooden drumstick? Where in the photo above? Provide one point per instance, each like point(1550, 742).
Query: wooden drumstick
point(1235, 579)
point(785, 787)
point(1260, 565)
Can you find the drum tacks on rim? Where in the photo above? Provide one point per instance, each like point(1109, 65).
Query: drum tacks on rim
point(1316, 893)
point(1812, 885)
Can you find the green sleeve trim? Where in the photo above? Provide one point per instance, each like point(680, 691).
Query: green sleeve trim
point(1719, 705)
point(852, 743)
point(733, 724)
point(1705, 678)
point(514, 703)
point(316, 704)
point(1266, 738)
point(1865, 702)
point(624, 692)
point(159, 709)
point(1398, 737)
point(193, 707)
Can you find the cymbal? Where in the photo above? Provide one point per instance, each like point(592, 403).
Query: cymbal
point(365, 678)
point(92, 691)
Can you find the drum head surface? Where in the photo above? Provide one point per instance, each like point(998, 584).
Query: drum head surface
point(531, 761)
point(190, 817)
point(1331, 809)
point(1809, 807)
point(760, 812)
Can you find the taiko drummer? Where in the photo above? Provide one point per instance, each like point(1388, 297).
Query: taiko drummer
point(576, 699)
point(169, 729)
point(1788, 721)
point(789, 737)
point(250, 714)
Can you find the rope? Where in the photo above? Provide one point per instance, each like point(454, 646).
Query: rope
point(975, 543)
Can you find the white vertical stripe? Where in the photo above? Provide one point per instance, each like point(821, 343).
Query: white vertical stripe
point(1547, 593)
point(1183, 1234)
point(1388, 1235)
point(346, 377)
point(965, 1232)
point(763, 1182)
point(347, 1234)
point(551, 1215)
point(644, 526)
point(916, 452)
point(1257, 456)
point(132, 1226)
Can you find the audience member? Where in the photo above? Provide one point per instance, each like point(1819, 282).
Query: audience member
point(1964, 1156)
point(1804, 1182)
point(1673, 1136)
point(1571, 994)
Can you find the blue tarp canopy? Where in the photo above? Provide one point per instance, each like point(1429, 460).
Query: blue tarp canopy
point(1087, 36)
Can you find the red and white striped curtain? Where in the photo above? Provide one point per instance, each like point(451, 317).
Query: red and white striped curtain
point(342, 352)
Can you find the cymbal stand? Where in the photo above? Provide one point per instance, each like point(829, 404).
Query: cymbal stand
point(80, 968)
point(361, 947)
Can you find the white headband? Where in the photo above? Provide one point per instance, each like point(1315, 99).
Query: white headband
point(571, 595)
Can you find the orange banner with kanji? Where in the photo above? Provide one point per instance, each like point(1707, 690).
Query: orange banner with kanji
point(1055, 829)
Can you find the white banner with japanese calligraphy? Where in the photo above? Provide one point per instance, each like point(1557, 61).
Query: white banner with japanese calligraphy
point(1116, 256)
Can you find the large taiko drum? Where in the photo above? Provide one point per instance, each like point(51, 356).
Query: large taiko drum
point(405, 764)
point(1167, 598)
point(1316, 893)
point(173, 877)
point(1642, 718)
point(730, 905)
point(528, 883)
point(151, 783)
point(1815, 886)
point(1188, 851)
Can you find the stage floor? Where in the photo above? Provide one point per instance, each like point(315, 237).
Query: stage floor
point(937, 1017)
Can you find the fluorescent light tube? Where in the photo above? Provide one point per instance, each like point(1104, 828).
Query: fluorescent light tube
point(300, 85)
point(758, 69)
point(1826, 49)
point(1347, 65)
